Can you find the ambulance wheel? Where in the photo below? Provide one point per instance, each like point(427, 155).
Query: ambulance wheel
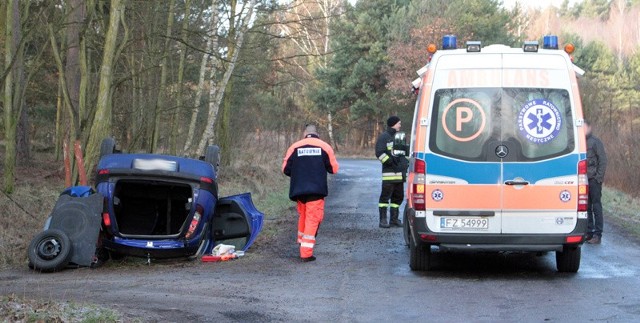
point(568, 260)
point(212, 156)
point(49, 251)
point(419, 256)
point(107, 147)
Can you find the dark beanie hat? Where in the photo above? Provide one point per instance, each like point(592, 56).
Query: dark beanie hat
point(392, 121)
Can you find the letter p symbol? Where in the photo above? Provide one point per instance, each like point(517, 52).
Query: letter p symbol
point(463, 115)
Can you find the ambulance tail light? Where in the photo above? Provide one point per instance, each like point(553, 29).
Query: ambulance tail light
point(418, 194)
point(583, 186)
point(574, 239)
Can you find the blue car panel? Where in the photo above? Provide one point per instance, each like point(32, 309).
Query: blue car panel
point(160, 206)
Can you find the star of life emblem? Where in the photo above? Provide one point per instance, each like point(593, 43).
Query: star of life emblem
point(437, 195)
point(539, 121)
point(565, 196)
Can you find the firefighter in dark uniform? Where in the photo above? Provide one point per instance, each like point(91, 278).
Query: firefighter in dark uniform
point(391, 152)
point(307, 163)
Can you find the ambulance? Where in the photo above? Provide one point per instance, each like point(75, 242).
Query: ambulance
point(497, 153)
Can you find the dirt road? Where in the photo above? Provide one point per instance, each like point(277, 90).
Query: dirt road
point(361, 275)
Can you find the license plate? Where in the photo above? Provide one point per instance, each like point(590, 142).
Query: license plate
point(459, 223)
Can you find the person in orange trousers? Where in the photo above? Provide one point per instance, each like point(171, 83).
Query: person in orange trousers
point(307, 162)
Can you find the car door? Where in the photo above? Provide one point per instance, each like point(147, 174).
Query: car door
point(236, 221)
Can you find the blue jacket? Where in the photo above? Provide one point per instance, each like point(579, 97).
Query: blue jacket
point(307, 163)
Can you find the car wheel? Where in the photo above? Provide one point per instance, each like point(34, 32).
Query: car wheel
point(50, 250)
point(107, 147)
point(419, 256)
point(212, 156)
point(568, 260)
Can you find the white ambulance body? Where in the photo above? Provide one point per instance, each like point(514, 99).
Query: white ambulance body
point(497, 154)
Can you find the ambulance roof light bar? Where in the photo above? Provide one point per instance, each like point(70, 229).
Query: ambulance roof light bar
point(449, 42)
point(474, 46)
point(530, 46)
point(550, 42)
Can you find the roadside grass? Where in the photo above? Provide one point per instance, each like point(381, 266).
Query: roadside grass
point(18, 309)
point(622, 210)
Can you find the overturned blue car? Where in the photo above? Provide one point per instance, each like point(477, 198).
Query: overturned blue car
point(145, 205)
point(160, 206)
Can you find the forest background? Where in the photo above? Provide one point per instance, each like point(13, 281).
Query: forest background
point(175, 76)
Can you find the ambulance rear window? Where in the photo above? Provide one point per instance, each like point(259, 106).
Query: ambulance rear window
point(472, 123)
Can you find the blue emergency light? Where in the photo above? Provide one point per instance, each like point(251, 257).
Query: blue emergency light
point(449, 42)
point(550, 42)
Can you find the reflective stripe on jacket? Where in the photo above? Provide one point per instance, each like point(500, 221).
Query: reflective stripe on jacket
point(393, 167)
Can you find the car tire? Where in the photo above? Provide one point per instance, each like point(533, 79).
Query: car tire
point(50, 251)
point(107, 147)
point(212, 156)
point(419, 256)
point(568, 260)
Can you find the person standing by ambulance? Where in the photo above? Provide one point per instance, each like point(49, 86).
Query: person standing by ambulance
point(394, 167)
point(307, 163)
point(596, 167)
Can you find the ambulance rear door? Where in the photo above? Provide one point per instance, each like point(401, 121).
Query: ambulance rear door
point(463, 181)
point(538, 146)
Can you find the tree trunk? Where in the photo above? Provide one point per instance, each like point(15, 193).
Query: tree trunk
point(206, 57)
point(11, 102)
point(101, 127)
point(234, 50)
point(175, 125)
point(161, 102)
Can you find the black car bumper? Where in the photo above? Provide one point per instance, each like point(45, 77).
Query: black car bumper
point(492, 242)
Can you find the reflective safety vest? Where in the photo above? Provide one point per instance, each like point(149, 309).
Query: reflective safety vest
point(394, 166)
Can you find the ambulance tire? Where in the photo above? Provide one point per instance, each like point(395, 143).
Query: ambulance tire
point(568, 260)
point(419, 256)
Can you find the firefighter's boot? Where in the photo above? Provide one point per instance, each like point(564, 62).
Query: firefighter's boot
point(383, 217)
point(395, 221)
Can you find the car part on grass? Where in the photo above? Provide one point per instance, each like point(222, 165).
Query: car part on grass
point(80, 219)
point(49, 251)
